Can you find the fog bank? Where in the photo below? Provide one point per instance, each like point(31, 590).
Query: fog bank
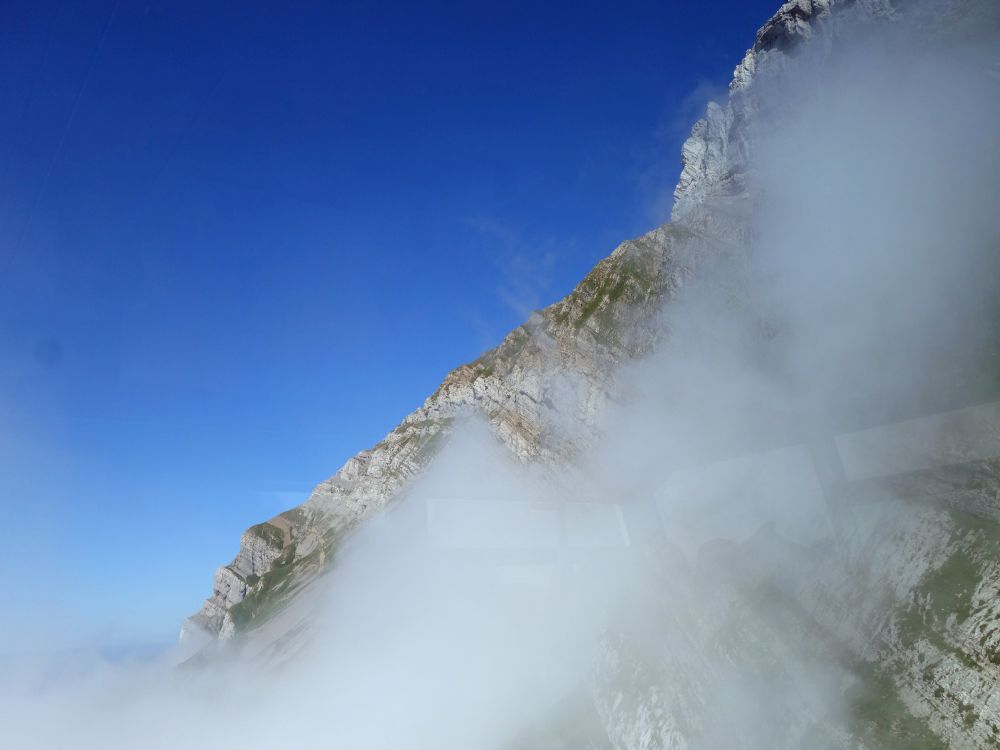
point(497, 603)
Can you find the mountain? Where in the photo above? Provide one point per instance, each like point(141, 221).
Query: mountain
point(517, 387)
point(899, 598)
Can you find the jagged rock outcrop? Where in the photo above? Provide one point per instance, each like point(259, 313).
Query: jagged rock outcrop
point(715, 155)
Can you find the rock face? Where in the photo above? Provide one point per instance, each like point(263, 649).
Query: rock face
point(902, 600)
point(715, 155)
point(520, 388)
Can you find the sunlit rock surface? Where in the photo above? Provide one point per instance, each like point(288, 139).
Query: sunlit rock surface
point(898, 601)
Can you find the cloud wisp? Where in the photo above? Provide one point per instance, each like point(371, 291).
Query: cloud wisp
point(485, 603)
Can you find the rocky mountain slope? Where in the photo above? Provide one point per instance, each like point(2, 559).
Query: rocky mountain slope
point(608, 319)
point(900, 600)
point(519, 387)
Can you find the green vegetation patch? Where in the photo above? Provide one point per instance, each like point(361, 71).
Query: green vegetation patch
point(606, 289)
point(270, 592)
point(947, 591)
point(271, 534)
point(877, 715)
point(265, 596)
point(951, 586)
point(985, 535)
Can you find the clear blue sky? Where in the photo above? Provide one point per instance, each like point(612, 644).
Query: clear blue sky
point(239, 244)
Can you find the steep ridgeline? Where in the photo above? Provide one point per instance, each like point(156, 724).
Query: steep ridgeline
point(899, 601)
point(606, 320)
point(520, 386)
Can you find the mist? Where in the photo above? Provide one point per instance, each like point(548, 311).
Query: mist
point(495, 599)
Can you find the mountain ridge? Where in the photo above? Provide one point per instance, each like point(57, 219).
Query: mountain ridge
point(593, 329)
point(900, 602)
point(586, 328)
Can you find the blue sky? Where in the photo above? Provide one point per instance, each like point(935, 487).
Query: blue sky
point(238, 243)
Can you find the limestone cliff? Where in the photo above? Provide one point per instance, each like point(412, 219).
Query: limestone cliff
point(900, 599)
